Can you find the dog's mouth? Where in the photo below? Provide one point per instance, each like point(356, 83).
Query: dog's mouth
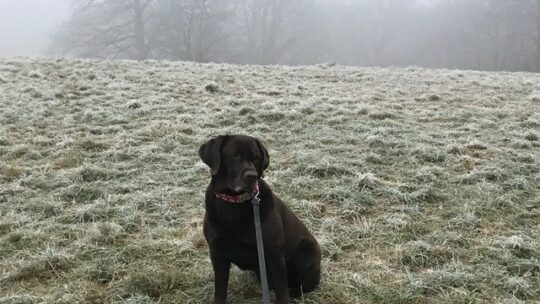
point(239, 188)
point(237, 195)
point(229, 191)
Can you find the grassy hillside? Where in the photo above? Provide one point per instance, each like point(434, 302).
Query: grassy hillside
point(422, 186)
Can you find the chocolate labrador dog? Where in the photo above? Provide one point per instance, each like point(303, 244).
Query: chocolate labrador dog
point(292, 254)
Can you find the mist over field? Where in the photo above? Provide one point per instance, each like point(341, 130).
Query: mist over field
point(26, 26)
point(457, 34)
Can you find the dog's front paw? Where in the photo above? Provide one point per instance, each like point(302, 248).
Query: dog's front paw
point(218, 301)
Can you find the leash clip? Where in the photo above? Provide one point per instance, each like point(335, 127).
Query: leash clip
point(256, 200)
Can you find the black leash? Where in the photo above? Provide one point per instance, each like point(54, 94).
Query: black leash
point(260, 249)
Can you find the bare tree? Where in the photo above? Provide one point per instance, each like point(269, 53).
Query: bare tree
point(480, 34)
point(272, 28)
point(195, 30)
point(537, 38)
point(107, 29)
point(372, 32)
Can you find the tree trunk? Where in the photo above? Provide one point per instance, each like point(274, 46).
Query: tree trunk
point(263, 15)
point(140, 42)
point(199, 55)
point(538, 36)
point(270, 48)
point(253, 29)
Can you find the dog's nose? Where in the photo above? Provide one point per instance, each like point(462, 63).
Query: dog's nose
point(250, 175)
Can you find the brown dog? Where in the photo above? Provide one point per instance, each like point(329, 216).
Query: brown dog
point(293, 256)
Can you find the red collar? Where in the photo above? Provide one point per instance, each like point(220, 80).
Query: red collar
point(238, 198)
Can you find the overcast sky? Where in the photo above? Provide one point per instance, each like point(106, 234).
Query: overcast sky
point(26, 25)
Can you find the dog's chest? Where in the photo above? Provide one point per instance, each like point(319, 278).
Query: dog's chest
point(241, 248)
point(236, 234)
point(234, 213)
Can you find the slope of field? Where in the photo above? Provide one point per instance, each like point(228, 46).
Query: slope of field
point(422, 186)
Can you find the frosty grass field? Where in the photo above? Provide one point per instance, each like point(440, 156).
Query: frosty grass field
point(422, 186)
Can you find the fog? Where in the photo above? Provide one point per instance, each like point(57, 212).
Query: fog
point(26, 26)
point(456, 34)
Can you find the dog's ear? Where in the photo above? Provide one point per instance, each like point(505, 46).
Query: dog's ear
point(265, 158)
point(210, 153)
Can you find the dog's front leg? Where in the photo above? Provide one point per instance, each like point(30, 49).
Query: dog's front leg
point(221, 277)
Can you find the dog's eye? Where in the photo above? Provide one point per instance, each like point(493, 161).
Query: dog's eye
point(236, 156)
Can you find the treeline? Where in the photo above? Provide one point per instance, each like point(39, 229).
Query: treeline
point(464, 34)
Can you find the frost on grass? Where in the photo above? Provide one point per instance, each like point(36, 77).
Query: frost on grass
point(421, 185)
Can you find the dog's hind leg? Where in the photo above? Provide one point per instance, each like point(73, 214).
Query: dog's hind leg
point(306, 272)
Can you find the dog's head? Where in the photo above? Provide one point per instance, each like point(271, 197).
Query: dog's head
point(236, 162)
